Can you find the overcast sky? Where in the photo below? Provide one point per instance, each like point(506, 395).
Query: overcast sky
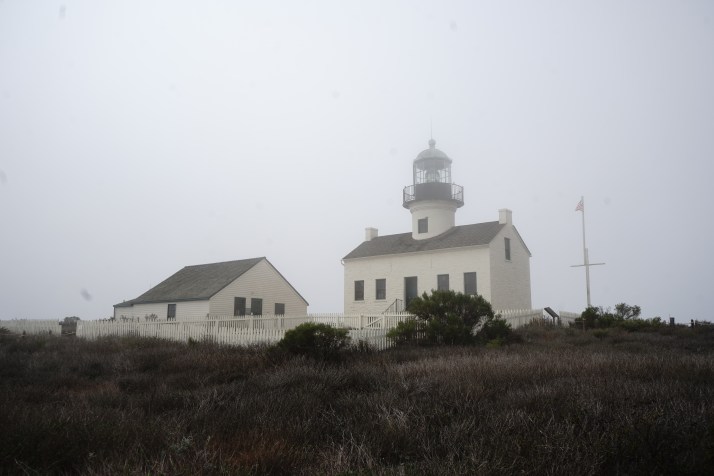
point(139, 137)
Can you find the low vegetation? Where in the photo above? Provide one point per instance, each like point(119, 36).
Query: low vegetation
point(69, 324)
point(563, 401)
point(624, 317)
point(319, 341)
point(452, 318)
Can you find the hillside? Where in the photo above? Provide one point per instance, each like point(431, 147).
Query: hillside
point(562, 402)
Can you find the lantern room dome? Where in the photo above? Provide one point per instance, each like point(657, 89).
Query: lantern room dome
point(432, 153)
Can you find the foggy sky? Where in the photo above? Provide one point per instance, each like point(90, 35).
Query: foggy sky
point(137, 138)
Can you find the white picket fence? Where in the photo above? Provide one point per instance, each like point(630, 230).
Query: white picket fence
point(371, 329)
point(349, 321)
point(375, 338)
point(520, 317)
point(567, 318)
point(230, 330)
point(515, 317)
point(32, 326)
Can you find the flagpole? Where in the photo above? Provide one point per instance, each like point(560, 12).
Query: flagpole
point(585, 253)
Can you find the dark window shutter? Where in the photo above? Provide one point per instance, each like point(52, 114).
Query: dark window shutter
point(442, 282)
point(423, 225)
point(256, 306)
point(470, 283)
point(359, 290)
point(239, 306)
point(381, 289)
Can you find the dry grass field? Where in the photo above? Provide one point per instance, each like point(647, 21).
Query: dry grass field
point(561, 402)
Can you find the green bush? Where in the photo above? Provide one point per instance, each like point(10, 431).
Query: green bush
point(406, 332)
point(450, 316)
point(600, 333)
point(497, 329)
point(363, 347)
point(495, 343)
point(319, 341)
point(624, 317)
point(591, 316)
point(450, 330)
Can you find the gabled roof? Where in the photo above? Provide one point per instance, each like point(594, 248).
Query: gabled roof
point(199, 282)
point(456, 237)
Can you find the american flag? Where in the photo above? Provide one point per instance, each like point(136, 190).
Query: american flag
point(580, 207)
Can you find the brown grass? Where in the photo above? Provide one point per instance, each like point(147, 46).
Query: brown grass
point(562, 402)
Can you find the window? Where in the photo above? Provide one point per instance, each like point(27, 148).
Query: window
point(359, 290)
point(442, 282)
point(470, 283)
point(507, 242)
point(171, 312)
point(381, 291)
point(423, 225)
point(410, 289)
point(256, 306)
point(239, 306)
point(279, 309)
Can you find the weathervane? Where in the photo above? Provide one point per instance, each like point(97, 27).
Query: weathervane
point(586, 260)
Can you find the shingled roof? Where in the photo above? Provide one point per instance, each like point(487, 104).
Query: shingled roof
point(195, 283)
point(456, 237)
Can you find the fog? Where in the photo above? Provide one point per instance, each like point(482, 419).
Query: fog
point(137, 138)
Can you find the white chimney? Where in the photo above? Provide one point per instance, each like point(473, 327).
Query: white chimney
point(370, 233)
point(504, 216)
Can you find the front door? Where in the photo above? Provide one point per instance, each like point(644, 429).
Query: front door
point(410, 289)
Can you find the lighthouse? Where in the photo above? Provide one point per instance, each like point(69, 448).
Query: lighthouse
point(385, 273)
point(432, 198)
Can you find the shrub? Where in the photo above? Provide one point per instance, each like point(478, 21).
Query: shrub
point(406, 332)
point(589, 318)
point(600, 333)
point(363, 347)
point(319, 341)
point(450, 316)
point(449, 330)
point(634, 325)
point(624, 317)
point(69, 324)
point(495, 343)
point(497, 329)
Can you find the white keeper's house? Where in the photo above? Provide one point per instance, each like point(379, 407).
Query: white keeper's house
point(231, 288)
point(491, 259)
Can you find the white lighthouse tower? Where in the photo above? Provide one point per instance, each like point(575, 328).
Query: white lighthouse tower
point(432, 198)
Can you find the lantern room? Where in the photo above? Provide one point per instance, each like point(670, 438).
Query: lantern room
point(432, 198)
point(432, 178)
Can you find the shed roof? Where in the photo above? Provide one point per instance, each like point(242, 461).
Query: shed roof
point(198, 282)
point(456, 237)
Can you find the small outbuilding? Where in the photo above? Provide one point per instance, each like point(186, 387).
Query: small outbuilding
point(231, 288)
